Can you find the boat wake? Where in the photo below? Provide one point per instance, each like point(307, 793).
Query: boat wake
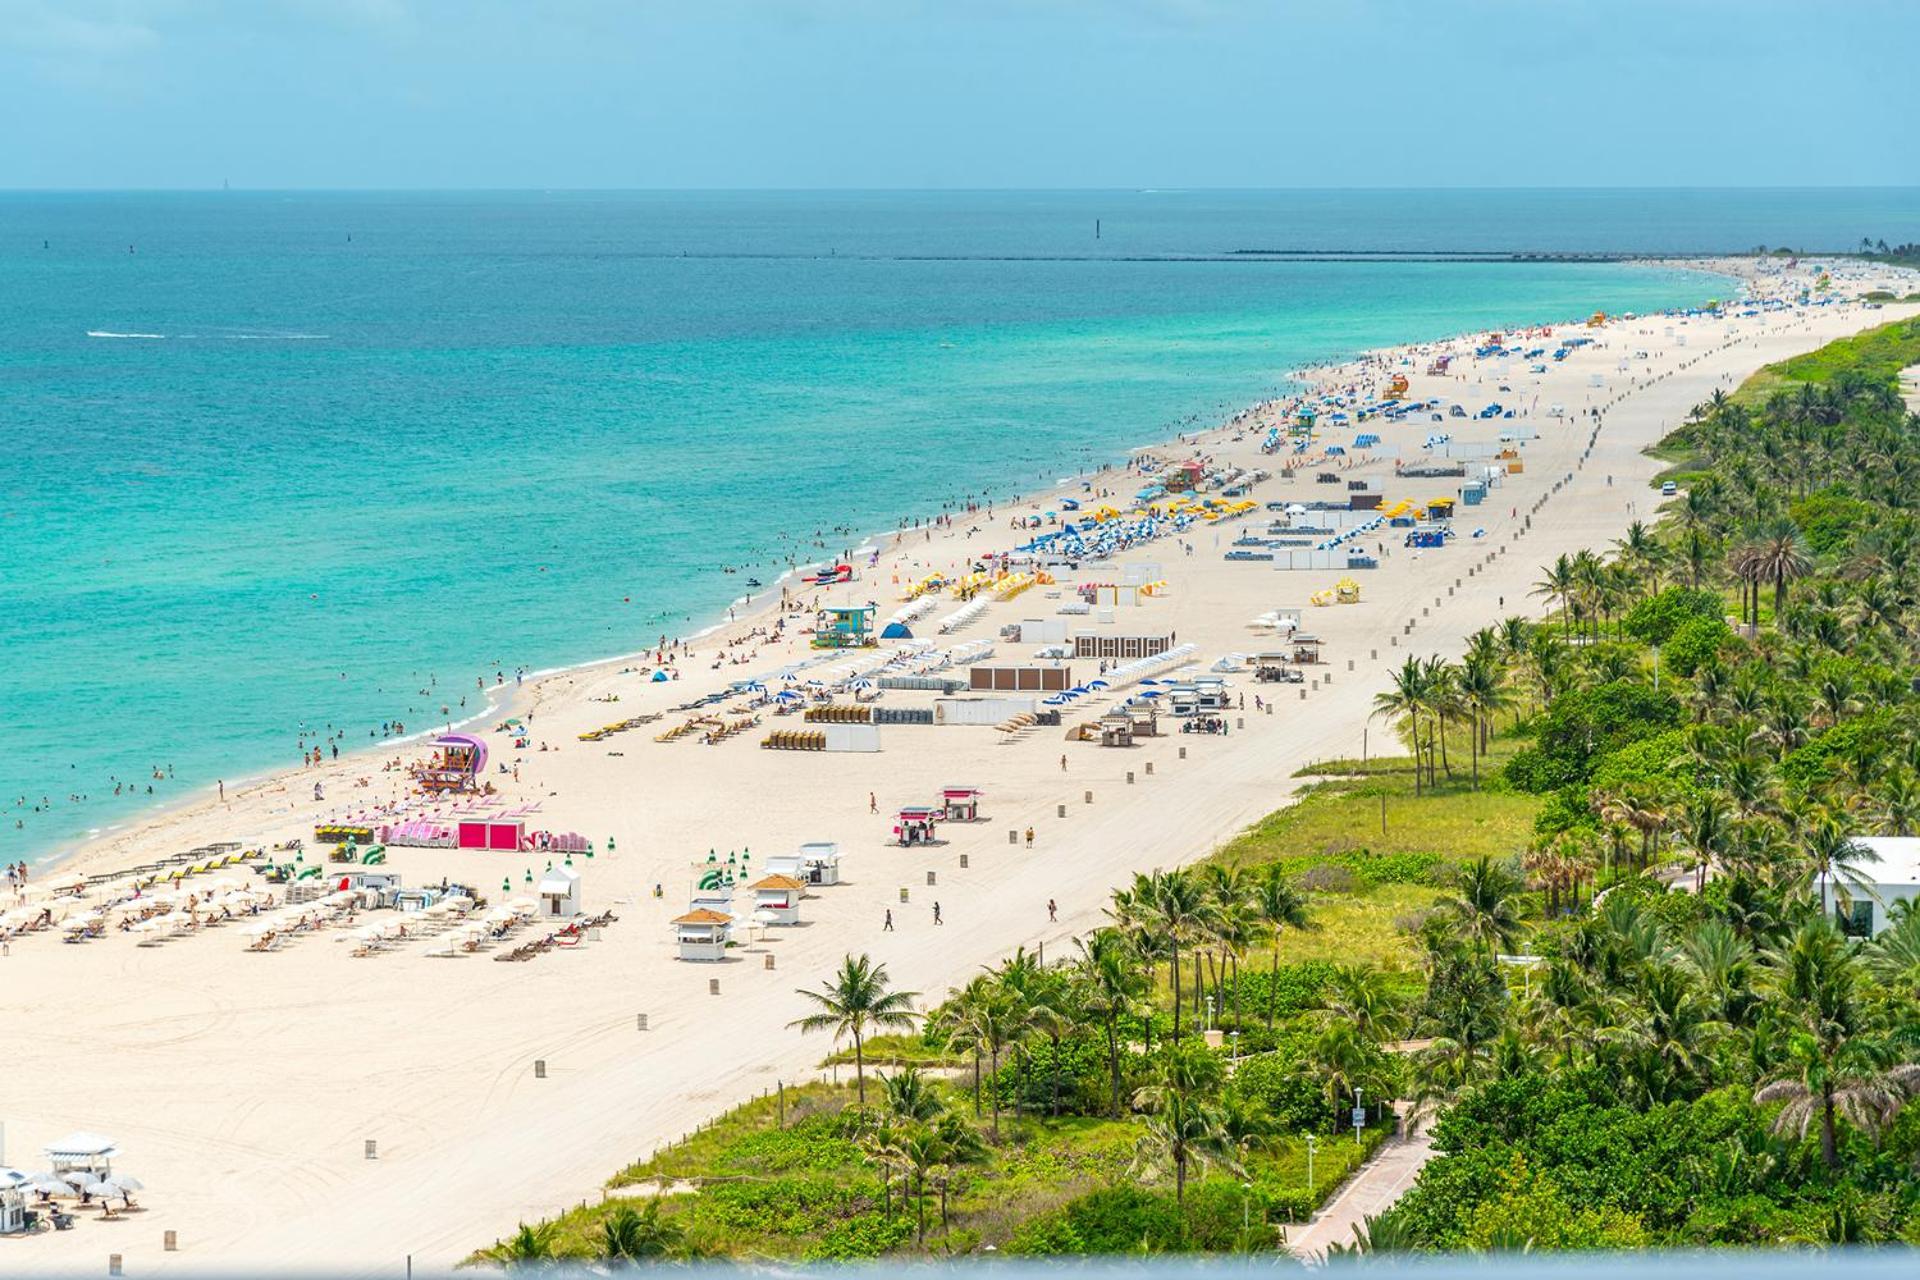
point(108, 333)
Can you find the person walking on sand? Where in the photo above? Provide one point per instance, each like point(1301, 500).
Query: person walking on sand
point(936, 914)
point(873, 804)
point(886, 926)
point(1053, 911)
point(223, 790)
point(1029, 837)
point(1063, 763)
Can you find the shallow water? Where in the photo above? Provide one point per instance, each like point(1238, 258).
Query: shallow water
point(295, 459)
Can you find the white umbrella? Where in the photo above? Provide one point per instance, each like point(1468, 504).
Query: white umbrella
point(120, 1185)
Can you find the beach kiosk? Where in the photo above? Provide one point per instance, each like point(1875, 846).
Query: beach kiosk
point(776, 899)
point(559, 891)
point(843, 627)
point(962, 804)
point(820, 862)
point(458, 763)
point(702, 934)
point(914, 824)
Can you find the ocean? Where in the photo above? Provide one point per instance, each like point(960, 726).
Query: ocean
point(278, 463)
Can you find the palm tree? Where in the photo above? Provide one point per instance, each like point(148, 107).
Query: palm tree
point(635, 1235)
point(909, 1097)
point(1485, 904)
point(1559, 585)
point(1183, 1128)
point(1780, 557)
point(1182, 912)
point(1359, 996)
point(1279, 906)
point(1839, 1067)
point(986, 1019)
point(853, 1003)
point(530, 1246)
point(1833, 852)
point(1111, 988)
point(1407, 701)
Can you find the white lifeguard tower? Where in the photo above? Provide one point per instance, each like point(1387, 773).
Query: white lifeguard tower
point(559, 891)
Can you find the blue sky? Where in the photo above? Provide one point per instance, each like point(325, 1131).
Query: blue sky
point(956, 93)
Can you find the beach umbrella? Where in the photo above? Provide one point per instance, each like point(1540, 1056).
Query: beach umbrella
point(125, 1182)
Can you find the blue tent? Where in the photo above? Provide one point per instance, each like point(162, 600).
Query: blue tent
point(896, 631)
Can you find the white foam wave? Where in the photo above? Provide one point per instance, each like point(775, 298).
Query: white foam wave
point(108, 333)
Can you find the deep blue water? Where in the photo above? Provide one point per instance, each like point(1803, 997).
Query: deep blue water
point(395, 435)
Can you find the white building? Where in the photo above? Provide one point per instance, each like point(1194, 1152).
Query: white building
point(560, 892)
point(1894, 878)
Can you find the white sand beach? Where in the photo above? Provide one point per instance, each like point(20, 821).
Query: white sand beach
point(243, 1085)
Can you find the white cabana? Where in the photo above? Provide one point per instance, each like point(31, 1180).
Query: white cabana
point(559, 892)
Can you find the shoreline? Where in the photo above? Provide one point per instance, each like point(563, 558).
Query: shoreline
point(84, 852)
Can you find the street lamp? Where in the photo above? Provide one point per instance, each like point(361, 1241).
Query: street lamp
point(1313, 1145)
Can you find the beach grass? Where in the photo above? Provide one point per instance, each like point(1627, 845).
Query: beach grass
point(1877, 355)
point(748, 1187)
point(1371, 807)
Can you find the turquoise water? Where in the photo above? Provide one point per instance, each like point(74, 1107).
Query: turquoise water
point(381, 444)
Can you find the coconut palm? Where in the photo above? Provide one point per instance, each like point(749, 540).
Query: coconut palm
point(529, 1247)
point(635, 1235)
point(854, 1003)
point(1280, 907)
point(1183, 1127)
point(1839, 1067)
point(1485, 904)
point(1111, 988)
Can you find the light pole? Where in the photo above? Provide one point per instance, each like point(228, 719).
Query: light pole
point(1312, 1145)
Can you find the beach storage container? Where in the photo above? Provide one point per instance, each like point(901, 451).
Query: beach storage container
point(903, 715)
point(852, 737)
point(935, 684)
point(980, 711)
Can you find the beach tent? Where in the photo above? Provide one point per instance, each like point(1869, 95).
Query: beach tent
point(660, 676)
point(896, 631)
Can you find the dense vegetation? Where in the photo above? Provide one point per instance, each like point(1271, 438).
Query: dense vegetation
point(1599, 926)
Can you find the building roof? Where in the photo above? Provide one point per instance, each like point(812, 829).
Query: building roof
point(1899, 859)
point(81, 1144)
point(702, 916)
point(777, 881)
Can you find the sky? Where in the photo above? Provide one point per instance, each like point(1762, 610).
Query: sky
point(956, 93)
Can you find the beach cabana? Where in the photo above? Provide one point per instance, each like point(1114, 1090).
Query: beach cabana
point(702, 934)
point(506, 834)
point(914, 824)
point(559, 891)
point(82, 1153)
point(776, 899)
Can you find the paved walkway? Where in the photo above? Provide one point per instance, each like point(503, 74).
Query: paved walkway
point(1380, 1182)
